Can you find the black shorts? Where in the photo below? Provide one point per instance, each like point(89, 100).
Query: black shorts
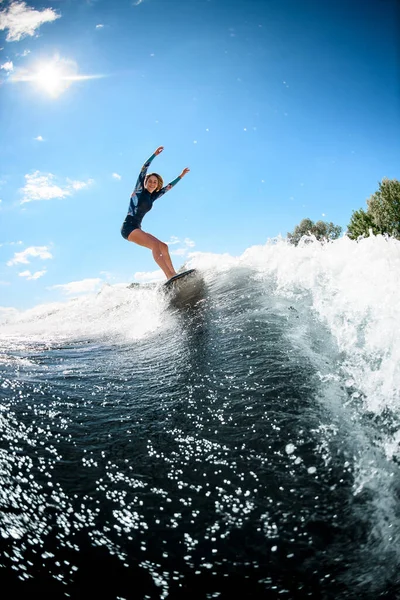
point(128, 226)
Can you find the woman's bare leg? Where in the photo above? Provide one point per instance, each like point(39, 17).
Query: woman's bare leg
point(168, 259)
point(158, 248)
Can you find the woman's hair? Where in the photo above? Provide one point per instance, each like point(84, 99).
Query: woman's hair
point(159, 178)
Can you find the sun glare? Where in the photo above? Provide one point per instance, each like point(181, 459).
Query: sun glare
point(50, 78)
point(53, 77)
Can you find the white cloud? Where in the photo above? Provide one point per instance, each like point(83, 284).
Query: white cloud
point(11, 244)
point(40, 186)
point(7, 66)
point(31, 276)
point(179, 252)
point(149, 276)
point(173, 240)
point(78, 287)
point(33, 251)
point(39, 138)
point(99, 26)
point(81, 185)
point(185, 245)
point(21, 20)
point(116, 176)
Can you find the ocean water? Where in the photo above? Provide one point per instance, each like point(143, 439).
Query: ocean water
point(240, 438)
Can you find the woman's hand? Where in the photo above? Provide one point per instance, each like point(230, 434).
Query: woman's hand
point(184, 172)
point(159, 150)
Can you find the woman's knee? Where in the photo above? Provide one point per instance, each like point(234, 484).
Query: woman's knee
point(163, 247)
point(157, 248)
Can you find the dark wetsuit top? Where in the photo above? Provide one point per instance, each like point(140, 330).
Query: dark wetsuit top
point(142, 201)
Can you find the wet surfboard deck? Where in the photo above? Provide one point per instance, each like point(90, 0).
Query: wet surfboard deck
point(179, 277)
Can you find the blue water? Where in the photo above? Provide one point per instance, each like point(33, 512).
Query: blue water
point(242, 438)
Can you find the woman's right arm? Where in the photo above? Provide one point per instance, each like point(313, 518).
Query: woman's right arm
point(143, 171)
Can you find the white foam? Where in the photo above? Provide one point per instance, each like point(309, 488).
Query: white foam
point(114, 312)
point(354, 289)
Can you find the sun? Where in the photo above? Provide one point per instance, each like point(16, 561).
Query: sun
point(51, 79)
point(55, 76)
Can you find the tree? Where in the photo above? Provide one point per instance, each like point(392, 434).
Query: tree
point(361, 223)
point(322, 230)
point(384, 207)
point(383, 212)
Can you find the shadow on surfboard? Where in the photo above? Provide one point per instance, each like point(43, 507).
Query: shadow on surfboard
point(179, 277)
point(186, 288)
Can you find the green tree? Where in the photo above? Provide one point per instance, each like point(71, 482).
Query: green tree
point(384, 207)
point(383, 212)
point(322, 230)
point(361, 223)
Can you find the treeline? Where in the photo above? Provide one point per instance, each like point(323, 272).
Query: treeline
point(381, 217)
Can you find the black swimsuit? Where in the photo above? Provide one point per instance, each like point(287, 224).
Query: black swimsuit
point(142, 201)
point(144, 204)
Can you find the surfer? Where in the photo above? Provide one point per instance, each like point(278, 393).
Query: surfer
point(147, 189)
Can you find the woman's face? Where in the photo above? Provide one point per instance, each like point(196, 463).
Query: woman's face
point(151, 184)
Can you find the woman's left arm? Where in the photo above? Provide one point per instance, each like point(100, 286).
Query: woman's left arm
point(166, 188)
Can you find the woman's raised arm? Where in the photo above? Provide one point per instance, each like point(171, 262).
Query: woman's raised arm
point(174, 182)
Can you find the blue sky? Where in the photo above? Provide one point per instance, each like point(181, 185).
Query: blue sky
point(281, 109)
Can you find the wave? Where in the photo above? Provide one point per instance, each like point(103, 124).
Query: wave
point(351, 288)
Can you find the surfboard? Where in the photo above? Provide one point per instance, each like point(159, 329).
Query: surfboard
point(178, 277)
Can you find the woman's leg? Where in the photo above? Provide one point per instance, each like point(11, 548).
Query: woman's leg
point(165, 251)
point(158, 248)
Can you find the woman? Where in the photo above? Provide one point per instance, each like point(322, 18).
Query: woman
point(148, 188)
